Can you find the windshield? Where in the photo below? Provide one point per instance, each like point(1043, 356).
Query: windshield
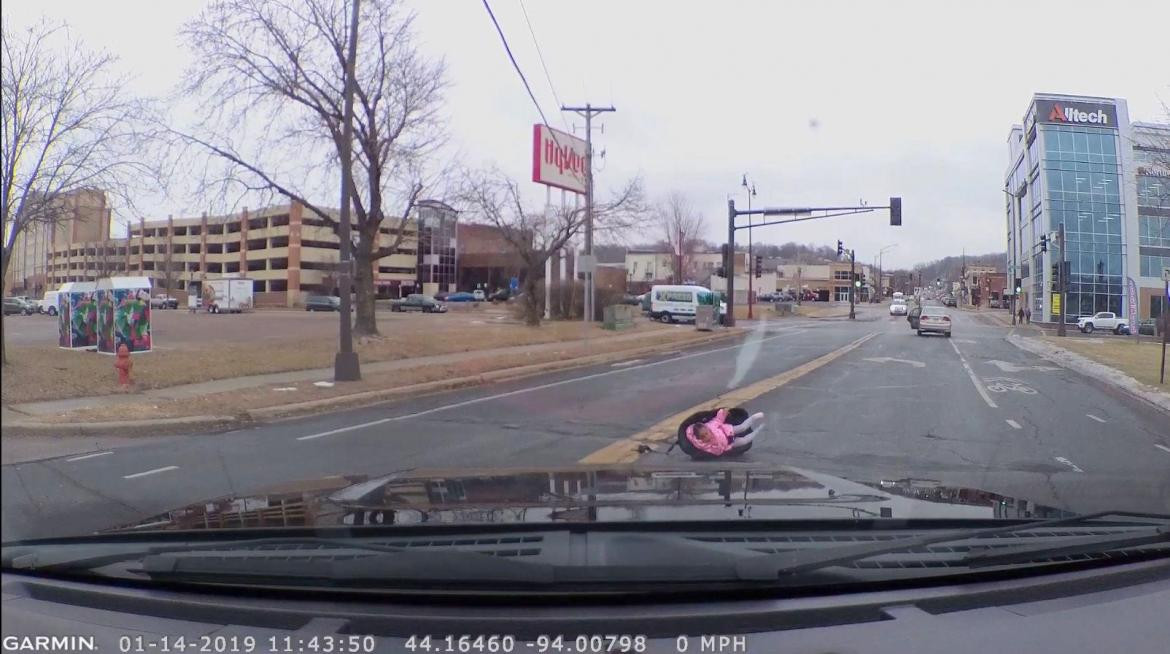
point(691, 269)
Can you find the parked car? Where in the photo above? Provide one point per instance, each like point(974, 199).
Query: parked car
point(949, 300)
point(418, 302)
point(934, 321)
point(322, 303)
point(14, 305)
point(441, 295)
point(500, 295)
point(164, 302)
point(1148, 327)
point(898, 308)
point(1102, 320)
point(994, 303)
point(460, 297)
point(480, 296)
point(31, 306)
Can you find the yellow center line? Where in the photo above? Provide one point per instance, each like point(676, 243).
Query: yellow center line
point(627, 449)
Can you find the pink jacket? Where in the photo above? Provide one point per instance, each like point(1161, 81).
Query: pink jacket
point(722, 431)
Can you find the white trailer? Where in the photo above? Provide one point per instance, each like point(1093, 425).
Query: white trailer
point(227, 295)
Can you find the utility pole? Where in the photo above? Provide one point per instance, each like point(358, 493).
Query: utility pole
point(729, 262)
point(345, 364)
point(1060, 327)
point(588, 112)
point(852, 282)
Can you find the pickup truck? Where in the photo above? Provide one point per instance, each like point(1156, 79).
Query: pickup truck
point(417, 302)
point(1102, 320)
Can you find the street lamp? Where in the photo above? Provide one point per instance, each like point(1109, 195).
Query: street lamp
point(751, 192)
point(881, 290)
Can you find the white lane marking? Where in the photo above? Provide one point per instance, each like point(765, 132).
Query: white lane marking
point(1013, 423)
point(1163, 448)
point(89, 456)
point(150, 472)
point(1100, 420)
point(623, 364)
point(974, 379)
point(521, 391)
point(1069, 464)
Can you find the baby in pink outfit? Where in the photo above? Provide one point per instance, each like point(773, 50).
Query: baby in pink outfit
point(717, 436)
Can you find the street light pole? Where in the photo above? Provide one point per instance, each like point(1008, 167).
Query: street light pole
point(1060, 327)
point(751, 190)
point(345, 364)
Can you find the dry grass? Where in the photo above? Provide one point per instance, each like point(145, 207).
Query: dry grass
point(44, 372)
point(237, 402)
point(821, 311)
point(1138, 359)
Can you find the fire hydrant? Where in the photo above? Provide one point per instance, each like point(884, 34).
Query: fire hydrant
point(123, 364)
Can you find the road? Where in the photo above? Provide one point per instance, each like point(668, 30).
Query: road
point(972, 410)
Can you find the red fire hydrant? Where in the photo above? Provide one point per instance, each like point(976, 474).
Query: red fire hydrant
point(123, 364)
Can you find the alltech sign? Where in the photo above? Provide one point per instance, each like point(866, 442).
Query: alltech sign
point(1092, 114)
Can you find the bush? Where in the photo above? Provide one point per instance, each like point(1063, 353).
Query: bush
point(568, 301)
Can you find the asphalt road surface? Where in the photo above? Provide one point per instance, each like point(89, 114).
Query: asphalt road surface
point(972, 410)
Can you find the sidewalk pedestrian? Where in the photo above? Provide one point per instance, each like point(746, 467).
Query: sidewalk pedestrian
point(1028, 316)
point(1020, 315)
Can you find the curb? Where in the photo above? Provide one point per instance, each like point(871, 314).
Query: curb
point(90, 429)
point(1089, 368)
point(364, 398)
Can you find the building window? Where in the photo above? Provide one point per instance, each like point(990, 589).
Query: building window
point(278, 264)
point(232, 267)
point(841, 275)
point(277, 286)
point(256, 264)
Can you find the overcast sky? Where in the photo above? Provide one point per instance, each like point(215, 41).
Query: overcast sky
point(820, 103)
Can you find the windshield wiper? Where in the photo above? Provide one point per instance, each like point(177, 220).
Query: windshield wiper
point(1070, 547)
point(773, 566)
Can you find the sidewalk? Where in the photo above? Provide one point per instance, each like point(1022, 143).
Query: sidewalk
point(186, 391)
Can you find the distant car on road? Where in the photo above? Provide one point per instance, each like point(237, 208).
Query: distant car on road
point(460, 297)
point(164, 302)
point(418, 302)
point(934, 321)
point(441, 295)
point(949, 301)
point(632, 300)
point(1102, 320)
point(898, 308)
point(480, 296)
point(323, 303)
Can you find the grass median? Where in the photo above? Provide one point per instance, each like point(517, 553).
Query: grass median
point(1138, 359)
point(45, 372)
point(240, 402)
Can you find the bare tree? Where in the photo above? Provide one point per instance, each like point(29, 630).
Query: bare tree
point(682, 228)
point(269, 76)
point(69, 125)
point(536, 234)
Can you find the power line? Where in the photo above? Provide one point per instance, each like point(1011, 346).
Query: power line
point(514, 64)
point(543, 65)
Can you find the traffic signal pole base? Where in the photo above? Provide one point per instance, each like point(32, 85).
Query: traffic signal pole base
point(346, 367)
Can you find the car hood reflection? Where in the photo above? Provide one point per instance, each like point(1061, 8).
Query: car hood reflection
point(580, 494)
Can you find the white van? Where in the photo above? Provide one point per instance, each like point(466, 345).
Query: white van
point(899, 295)
point(670, 303)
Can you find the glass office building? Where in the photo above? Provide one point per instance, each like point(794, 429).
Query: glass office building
point(1072, 162)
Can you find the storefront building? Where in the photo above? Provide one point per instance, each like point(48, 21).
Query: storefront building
point(1074, 161)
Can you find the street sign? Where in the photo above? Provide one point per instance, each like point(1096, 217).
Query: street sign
point(586, 263)
point(1055, 303)
point(514, 283)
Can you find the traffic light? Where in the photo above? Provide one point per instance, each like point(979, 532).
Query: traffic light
point(759, 266)
point(1019, 283)
point(840, 248)
point(1055, 277)
point(1043, 242)
point(896, 212)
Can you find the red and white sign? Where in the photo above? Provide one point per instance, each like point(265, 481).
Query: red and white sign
point(558, 159)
